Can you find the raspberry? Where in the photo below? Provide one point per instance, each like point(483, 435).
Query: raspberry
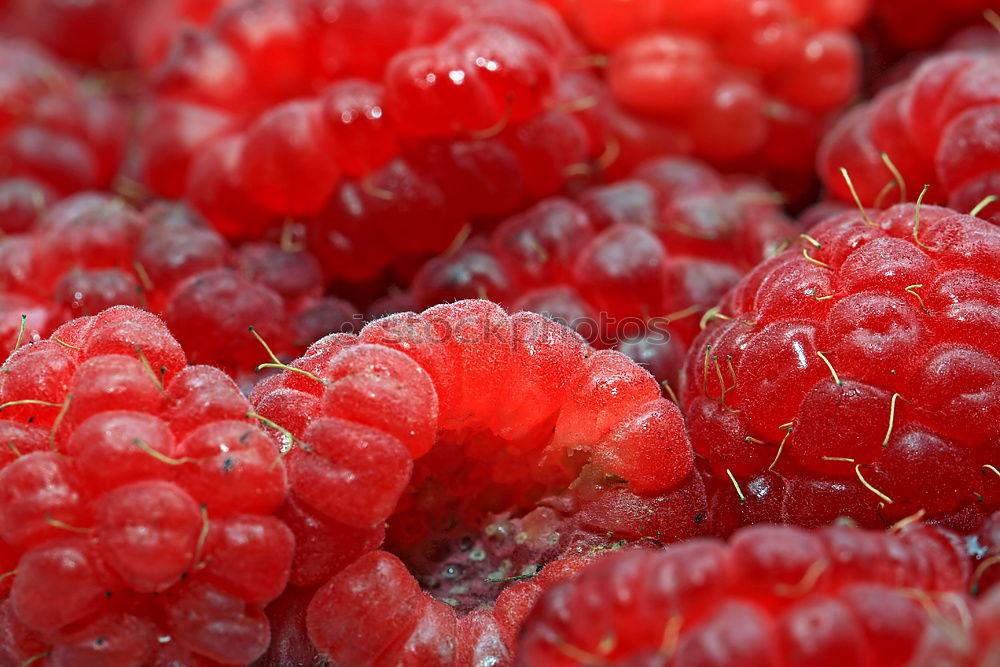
point(922, 24)
point(91, 33)
point(649, 253)
point(363, 128)
point(485, 36)
point(21, 202)
point(873, 330)
point(987, 572)
point(772, 595)
point(744, 81)
point(468, 486)
point(939, 127)
point(143, 501)
point(290, 644)
point(91, 251)
point(54, 131)
point(153, 26)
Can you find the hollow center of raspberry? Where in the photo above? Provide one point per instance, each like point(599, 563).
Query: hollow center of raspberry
point(469, 524)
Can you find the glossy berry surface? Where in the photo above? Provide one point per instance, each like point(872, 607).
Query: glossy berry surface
point(854, 374)
point(771, 595)
point(474, 491)
point(140, 492)
point(940, 127)
point(92, 34)
point(631, 377)
point(635, 263)
point(363, 122)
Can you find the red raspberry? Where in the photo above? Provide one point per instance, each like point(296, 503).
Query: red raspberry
point(92, 33)
point(772, 595)
point(939, 127)
point(290, 643)
point(987, 554)
point(856, 373)
point(22, 200)
point(54, 130)
point(154, 25)
point(917, 24)
point(89, 252)
point(428, 56)
point(751, 83)
point(559, 451)
point(633, 263)
point(141, 501)
point(367, 120)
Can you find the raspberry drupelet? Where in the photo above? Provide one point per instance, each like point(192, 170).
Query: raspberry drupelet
point(770, 596)
point(137, 500)
point(486, 448)
point(635, 263)
point(92, 251)
point(857, 373)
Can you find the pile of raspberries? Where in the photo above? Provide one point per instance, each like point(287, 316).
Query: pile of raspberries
point(494, 333)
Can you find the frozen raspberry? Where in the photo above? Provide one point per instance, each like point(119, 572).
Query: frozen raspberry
point(560, 453)
point(55, 130)
point(137, 500)
point(750, 83)
point(635, 263)
point(772, 595)
point(855, 373)
point(89, 252)
point(940, 128)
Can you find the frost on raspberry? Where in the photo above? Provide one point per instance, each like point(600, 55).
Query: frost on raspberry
point(771, 595)
point(137, 503)
point(857, 373)
point(487, 447)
